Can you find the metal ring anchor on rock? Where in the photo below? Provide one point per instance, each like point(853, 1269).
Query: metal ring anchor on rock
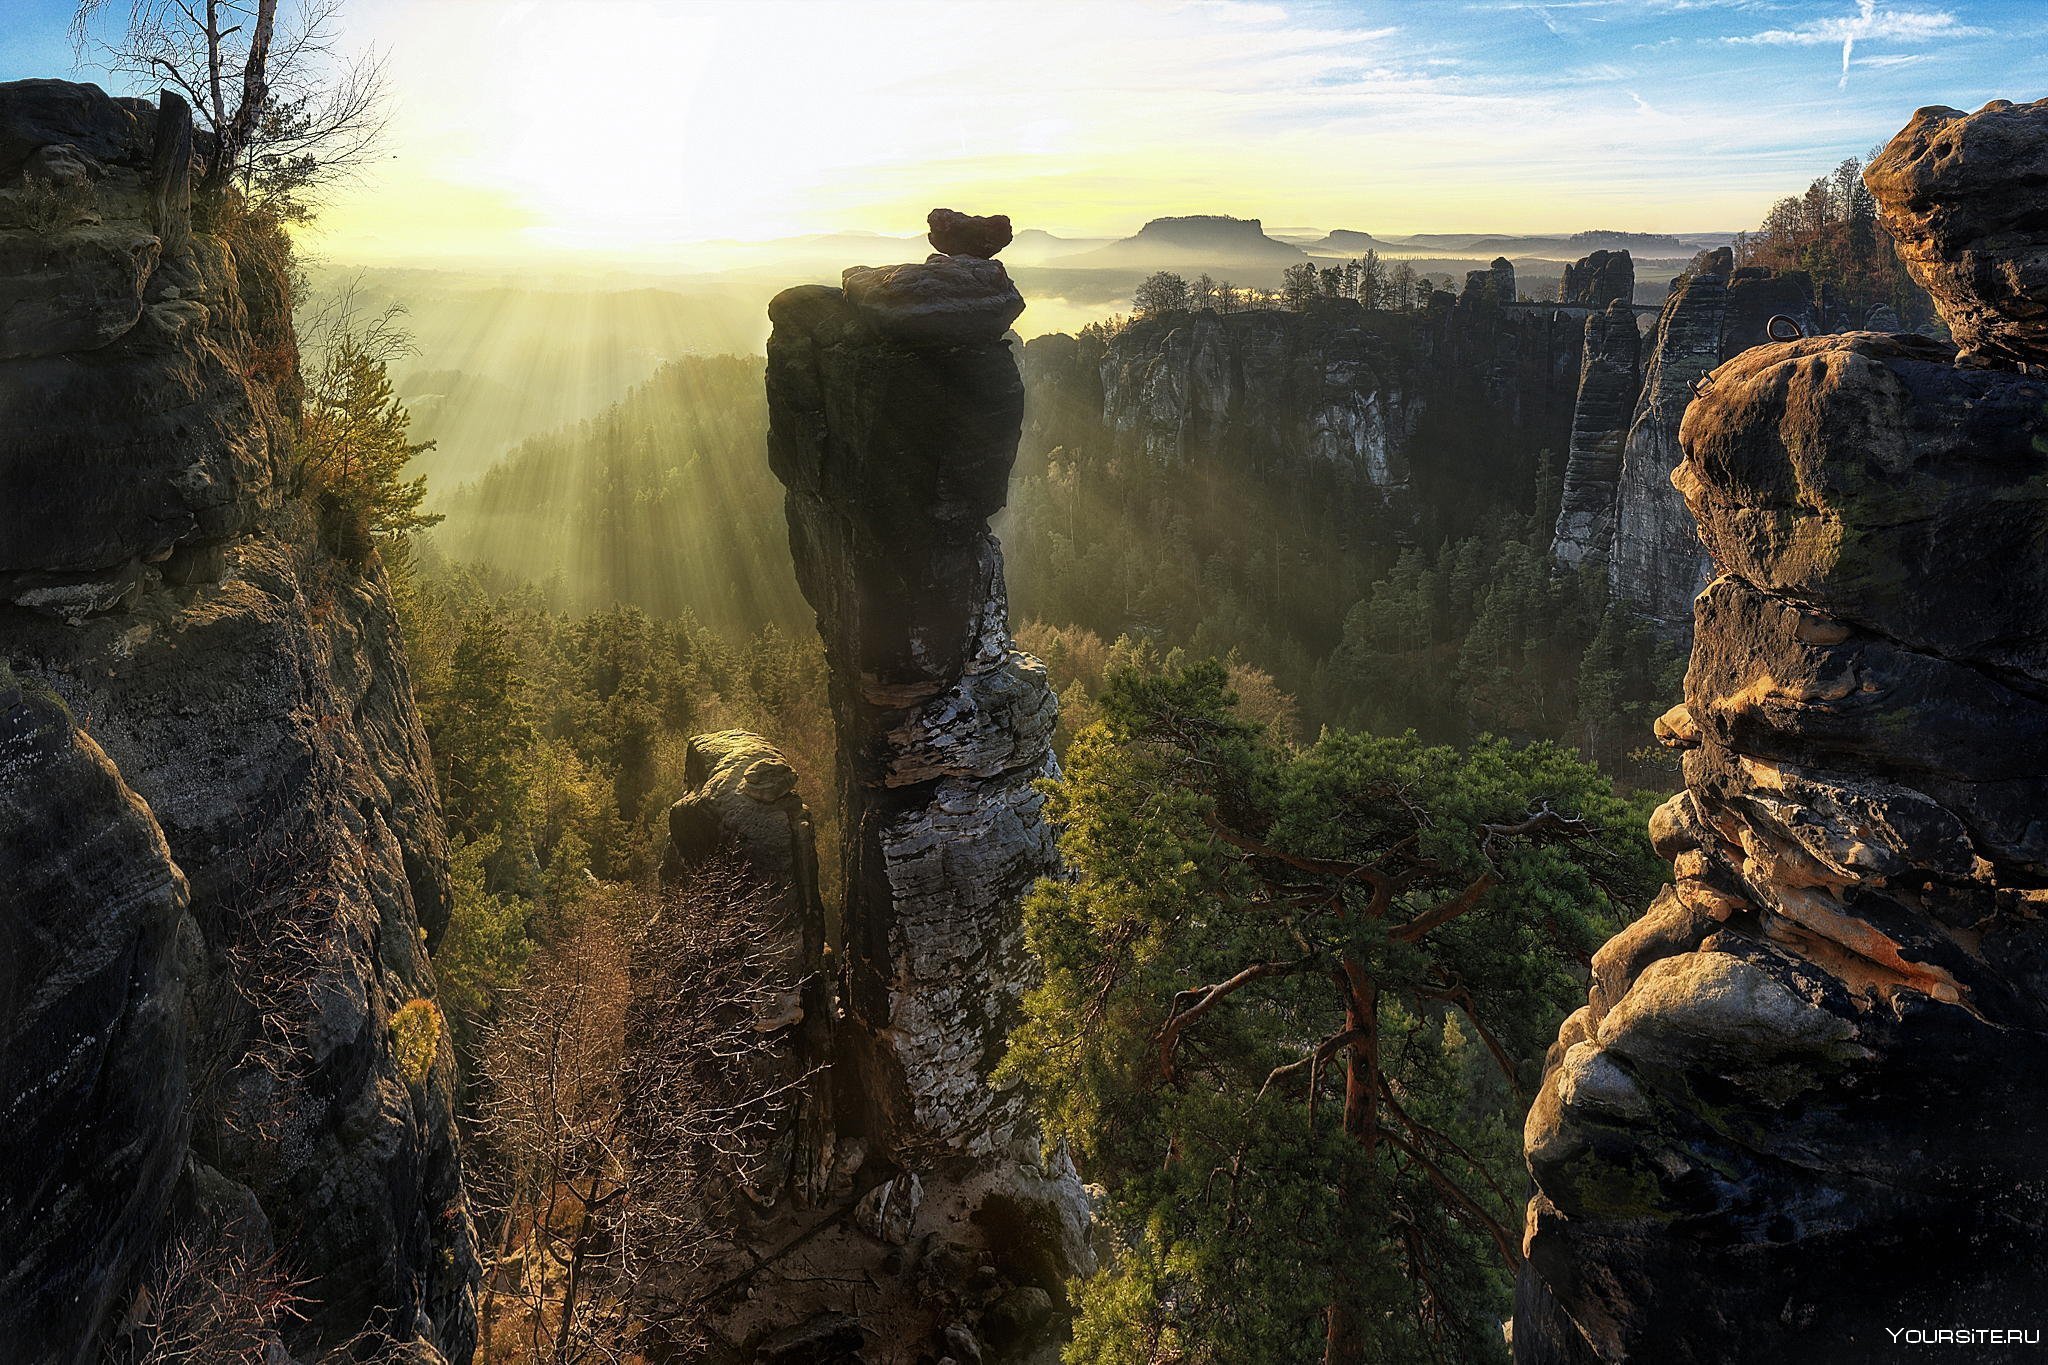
point(1784, 327)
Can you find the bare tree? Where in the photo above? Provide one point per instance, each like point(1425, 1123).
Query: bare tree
point(287, 110)
point(633, 1102)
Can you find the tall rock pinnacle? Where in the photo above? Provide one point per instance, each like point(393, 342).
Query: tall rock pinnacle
point(1806, 1100)
point(1610, 377)
point(895, 408)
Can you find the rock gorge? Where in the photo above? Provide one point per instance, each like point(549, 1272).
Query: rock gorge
point(1800, 1105)
point(224, 858)
point(1618, 511)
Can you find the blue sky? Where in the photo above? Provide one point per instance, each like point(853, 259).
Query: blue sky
point(722, 118)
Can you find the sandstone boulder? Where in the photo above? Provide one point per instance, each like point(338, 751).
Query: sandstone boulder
point(1963, 196)
point(946, 300)
point(963, 234)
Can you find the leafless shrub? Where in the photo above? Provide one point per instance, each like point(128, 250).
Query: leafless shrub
point(288, 110)
point(206, 1299)
point(636, 1090)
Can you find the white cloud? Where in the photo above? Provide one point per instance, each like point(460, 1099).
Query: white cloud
point(1869, 23)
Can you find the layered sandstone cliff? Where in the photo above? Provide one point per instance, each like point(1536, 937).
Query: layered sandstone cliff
point(246, 776)
point(1802, 1105)
point(1610, 378)
point(1395, 406)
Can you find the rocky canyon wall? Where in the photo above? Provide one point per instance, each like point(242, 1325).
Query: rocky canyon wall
point(1714, 311)
point(1410, 405)
point(1803, 1104)
point(1610, 378)
point(221, 875)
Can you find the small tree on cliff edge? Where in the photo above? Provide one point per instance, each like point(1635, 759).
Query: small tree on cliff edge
point(1160, 292)
point(286, 111)
point(352, 441)
point(1292, 1005)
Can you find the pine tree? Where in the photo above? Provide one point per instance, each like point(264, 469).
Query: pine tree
point(1263, 988)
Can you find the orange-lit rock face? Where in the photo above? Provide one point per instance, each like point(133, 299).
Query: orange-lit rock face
point(1961, 195)
point(1806, 1097)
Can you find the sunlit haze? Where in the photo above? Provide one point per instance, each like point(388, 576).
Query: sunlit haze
point(650, 130)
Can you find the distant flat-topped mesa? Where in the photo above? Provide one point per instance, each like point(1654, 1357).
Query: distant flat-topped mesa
point(1807, 1099)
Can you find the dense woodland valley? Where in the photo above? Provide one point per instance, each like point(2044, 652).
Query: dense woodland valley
point(632, 896)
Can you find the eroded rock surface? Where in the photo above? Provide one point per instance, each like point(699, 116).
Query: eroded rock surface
point(743, 805)
point(963, 234)
point(1596, 280)
point(1610, 378)
point(895, 408)
point(93, 1094)
point(1961, 194)
point(895, 438)
point(1804, 1102)
point(1714, 311)
point(251, 692)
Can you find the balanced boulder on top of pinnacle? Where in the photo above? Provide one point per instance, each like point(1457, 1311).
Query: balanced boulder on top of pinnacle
point(963, 234)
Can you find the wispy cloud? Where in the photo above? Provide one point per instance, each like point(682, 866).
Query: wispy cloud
point(1869, 23)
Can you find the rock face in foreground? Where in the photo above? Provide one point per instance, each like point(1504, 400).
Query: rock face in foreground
point(1961, 193)
point(1714, 311)
point(92, 1031)
point(253, 743)
point(1807, 1099)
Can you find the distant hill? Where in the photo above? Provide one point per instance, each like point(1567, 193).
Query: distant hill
point(1345, 242)
point(1035, 246)
point(1198, 242)
point(1556, 246)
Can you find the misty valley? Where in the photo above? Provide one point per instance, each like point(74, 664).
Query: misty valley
point(1103, 785)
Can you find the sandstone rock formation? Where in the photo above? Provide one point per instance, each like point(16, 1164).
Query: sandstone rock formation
point(249, 699)
point(1959, 192)
point(964, 234)
point(92, 1032)
point(1596, 280)
point(1388, 410)
point(1493, 285)
point(1801, 1104)
point(894, 415)
point(743, 803)
point(1610, 377)
point(895, 407)
point(1714, 311)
